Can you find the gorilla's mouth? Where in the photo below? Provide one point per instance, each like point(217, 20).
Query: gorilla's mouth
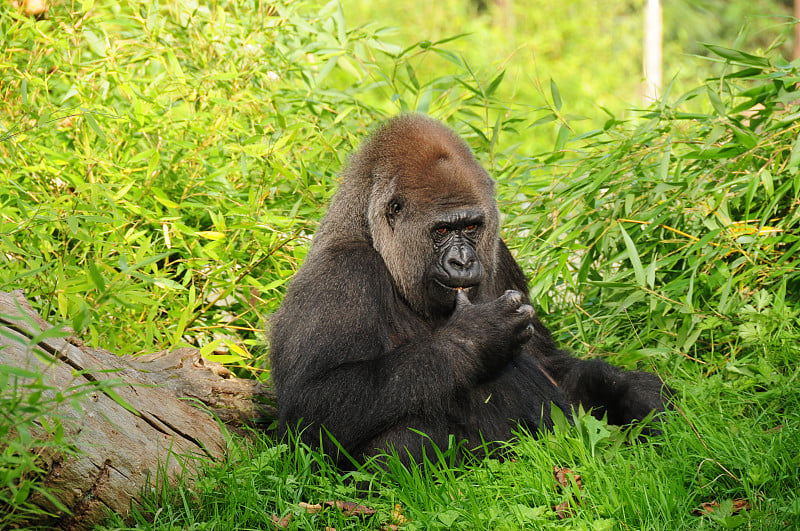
point(441, 298)
point(455, 289)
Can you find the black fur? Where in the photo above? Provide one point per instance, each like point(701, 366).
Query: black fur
point(369, 346)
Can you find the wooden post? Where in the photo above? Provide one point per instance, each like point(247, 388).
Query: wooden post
point(652, 51)
point(796, 53)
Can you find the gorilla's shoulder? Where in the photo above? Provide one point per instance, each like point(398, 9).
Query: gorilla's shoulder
point(341, 270)
point(346, 257)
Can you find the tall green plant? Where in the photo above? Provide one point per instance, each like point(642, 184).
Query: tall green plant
point(163, 165)
point(663, 231)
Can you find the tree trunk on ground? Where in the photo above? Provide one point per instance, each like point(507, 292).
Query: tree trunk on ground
point(119, 450)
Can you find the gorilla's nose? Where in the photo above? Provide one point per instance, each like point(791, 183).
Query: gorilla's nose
point(460, 259)
point(462, 267)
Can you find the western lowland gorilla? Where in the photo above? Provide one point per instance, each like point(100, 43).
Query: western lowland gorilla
point(410, 316)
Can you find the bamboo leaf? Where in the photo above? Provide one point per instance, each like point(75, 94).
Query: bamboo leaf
point(633, 256)
point(555, 94)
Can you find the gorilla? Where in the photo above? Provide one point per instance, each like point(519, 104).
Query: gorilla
point(409, 322)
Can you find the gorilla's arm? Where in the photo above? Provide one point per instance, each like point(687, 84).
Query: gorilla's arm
point(345, 356)
point(625, 396)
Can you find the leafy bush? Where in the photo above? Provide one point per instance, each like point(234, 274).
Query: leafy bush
point(166, 164)
point(160, 184)
point(678, 233)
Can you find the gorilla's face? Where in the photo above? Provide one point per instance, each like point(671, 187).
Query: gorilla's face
point(433, 219)
point(434, 250)
point(455, 262)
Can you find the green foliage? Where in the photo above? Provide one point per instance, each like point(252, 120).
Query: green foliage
point(591, 48)
point(165, 165)
point(668, 232)
point(158, 164)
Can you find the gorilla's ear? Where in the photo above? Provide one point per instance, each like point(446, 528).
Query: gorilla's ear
point(393, 208)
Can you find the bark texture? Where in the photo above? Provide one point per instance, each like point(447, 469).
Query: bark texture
point(133, 423)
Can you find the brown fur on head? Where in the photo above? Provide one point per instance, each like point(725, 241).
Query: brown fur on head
point(422, 166)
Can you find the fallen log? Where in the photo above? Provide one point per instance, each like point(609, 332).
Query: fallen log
point(138, 422)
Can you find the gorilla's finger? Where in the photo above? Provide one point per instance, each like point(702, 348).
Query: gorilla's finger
point(461, 298)
point(514, 298)
point(527, 310)
point(528, 332)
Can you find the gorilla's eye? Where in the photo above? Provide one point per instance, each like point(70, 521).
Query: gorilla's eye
point(392, 209)
point(471, 228)
point(442, 230)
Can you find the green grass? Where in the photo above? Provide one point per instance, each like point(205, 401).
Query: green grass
point(163, 167)
point(703, 456)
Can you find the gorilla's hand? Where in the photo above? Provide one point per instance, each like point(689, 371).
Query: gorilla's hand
point(491, 332)
point(643, 393)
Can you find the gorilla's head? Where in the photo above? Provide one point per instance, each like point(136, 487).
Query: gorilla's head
point(431, 212)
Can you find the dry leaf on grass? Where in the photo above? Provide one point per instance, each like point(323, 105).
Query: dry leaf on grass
point(281, 523)
point(310, 508)
point(563, 510)
point(397, 515)
point(351, 508)
point(347, 508)
point(565, 479)
point(562, 477)
point(739, 504)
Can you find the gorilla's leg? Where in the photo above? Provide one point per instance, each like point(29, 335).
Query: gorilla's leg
point(411, 440)
point(625, 396)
